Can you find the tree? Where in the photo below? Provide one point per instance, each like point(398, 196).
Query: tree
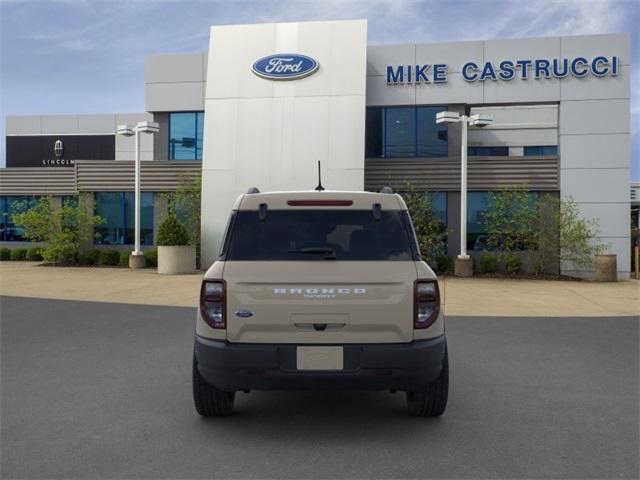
point(562, 236)
point(430, 230)
point(62, 227)
point(546, 244)
point(509, 219)
point(579, 242)
point(184, 203)
point(550, 228)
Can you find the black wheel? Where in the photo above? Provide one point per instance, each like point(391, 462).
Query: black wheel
point(209, 401)
point(432, 401)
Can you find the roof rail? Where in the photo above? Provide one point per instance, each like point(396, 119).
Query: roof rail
point(386, 190)
point(253, 190)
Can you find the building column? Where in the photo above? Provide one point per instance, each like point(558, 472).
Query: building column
point(86, 201)
point(160, 212)
point(161, 139)
point(453, 223)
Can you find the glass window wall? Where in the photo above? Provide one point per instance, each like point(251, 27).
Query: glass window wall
point(405, 132)
point(185, 135)
point(488, 151)
point(117, 212)
point(9, 206)
point(541, 151)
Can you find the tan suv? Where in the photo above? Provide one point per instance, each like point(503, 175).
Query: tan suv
point(320, 290)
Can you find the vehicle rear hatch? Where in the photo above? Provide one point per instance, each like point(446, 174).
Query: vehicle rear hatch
point(320, 272)
point(319, 302)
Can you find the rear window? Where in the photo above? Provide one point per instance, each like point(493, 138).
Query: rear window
point(320, 235)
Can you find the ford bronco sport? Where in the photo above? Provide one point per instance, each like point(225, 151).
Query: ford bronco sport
point(320, 290)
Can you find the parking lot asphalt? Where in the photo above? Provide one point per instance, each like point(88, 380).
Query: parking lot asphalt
point(101, 390)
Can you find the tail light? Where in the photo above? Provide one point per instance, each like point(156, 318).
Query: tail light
point(427, 303)
point(212, 303)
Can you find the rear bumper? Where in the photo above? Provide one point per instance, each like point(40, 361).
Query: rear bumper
point(396, 366)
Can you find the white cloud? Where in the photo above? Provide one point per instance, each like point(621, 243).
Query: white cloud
point(539, 18)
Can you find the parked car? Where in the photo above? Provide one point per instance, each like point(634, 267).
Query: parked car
point(320, 290)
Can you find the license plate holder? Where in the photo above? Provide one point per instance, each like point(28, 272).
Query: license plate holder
point(320, 358)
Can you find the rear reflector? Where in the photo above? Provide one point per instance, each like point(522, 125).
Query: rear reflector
point(319, 203)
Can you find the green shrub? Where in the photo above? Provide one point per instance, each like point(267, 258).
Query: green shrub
point(124, 258)
point(443, 263)
point(5, 254)
point(61, 227)
point(34, 254)
point(18, 253)
point(109, 257)
point(61, 254)
point(489, 262)
point(90, 257)
point(172, 232)
point(151, 258)
point(513, 263)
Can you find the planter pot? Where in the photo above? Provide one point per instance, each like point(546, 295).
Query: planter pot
point(177, 259)
point(606, 270)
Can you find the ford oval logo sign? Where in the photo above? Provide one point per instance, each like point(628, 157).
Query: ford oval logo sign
point(244, 313)
point(285, 66)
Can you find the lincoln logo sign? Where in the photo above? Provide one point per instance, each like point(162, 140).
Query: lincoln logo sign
point(506, 70)
point(58, 151)
point(285, 66)
point(58, 148)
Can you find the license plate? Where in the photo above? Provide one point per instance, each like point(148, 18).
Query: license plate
point(320, 358)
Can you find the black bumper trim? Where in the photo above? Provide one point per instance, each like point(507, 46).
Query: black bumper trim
point(396, 366)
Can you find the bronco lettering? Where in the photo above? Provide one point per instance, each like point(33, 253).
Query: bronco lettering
point(323, 291)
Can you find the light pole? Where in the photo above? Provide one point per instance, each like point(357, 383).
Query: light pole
point(136, 259)
point(463, 264)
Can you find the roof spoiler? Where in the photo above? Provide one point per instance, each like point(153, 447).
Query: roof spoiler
point(253, 190)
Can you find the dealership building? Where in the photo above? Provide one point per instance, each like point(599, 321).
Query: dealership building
point(267, 101)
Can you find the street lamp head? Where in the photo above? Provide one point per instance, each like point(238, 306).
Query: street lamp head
point(124, 130)
point(480, 120)
point(447, 117)
point(147, 127)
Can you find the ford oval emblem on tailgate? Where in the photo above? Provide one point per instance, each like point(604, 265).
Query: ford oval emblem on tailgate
point(284, 66)
point(244, 313)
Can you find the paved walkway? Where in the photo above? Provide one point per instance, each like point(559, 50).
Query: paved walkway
point(474, 296)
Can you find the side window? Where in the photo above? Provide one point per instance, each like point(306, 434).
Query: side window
point(227, 234)
point(413, 238)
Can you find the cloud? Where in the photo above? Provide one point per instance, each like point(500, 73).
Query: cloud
point(569, 17)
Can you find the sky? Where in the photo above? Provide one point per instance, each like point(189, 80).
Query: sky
point(87, 56)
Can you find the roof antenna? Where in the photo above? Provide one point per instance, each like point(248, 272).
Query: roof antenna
point(319, 188)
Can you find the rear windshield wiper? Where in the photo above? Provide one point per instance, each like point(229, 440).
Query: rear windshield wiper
point(329, 253)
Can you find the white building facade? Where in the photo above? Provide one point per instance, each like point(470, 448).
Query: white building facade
point(561, 110)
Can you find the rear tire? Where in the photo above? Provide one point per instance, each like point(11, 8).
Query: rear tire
point(208, 400)
point(432, 401)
